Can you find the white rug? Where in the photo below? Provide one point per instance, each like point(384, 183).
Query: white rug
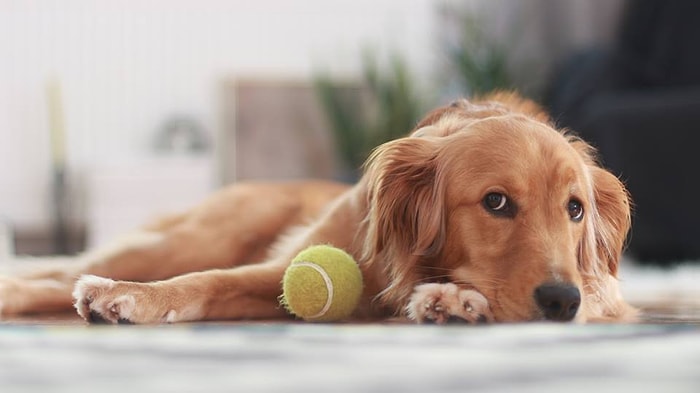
point(673, 292)
point(298, 357)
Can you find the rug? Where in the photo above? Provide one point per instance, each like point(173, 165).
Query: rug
point(661, 354)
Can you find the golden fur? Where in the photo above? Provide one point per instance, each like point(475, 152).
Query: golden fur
point(430, 248)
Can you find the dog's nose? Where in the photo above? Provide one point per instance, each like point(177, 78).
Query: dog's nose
point(558, 302)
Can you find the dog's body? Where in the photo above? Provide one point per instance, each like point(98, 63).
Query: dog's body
point(484, 212)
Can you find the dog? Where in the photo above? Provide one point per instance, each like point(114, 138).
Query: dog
point(485, 212)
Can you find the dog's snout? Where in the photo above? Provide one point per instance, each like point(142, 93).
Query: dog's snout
point(558, 302)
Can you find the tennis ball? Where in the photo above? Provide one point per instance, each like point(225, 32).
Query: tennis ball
point(323, 284)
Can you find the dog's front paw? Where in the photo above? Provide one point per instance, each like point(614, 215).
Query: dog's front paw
point(101, 300)
point(96, 301)
point(446, 303)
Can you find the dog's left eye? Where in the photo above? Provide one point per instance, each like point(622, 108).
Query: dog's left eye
point(498, 203)
point(575, 209)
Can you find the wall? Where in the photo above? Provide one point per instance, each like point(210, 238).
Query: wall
point(125, 66)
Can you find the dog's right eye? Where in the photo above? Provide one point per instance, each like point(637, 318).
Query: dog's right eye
point(497, 203)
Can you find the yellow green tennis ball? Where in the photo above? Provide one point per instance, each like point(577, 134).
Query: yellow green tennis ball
point(323, 284)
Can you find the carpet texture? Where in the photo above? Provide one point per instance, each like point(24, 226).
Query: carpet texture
point(661, 354)
point(351, 358)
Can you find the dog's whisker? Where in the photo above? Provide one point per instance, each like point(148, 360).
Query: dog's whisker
point(438, 268)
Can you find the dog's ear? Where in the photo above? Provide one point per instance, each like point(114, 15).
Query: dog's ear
point(613, 217)
point(406, 221)
point(610, 219)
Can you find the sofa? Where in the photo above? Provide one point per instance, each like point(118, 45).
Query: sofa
point(638, 102)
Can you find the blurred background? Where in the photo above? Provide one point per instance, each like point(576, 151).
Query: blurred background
point(112, 113)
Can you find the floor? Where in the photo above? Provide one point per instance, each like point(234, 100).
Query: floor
point(660, 354)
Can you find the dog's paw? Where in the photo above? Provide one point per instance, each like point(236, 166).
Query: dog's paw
point(96, 303)
point(103, 301)
point(447, 303)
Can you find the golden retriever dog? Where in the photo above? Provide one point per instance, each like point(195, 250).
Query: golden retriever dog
point(485, 212)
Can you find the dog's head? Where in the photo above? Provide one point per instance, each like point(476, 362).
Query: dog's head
point(491, 196)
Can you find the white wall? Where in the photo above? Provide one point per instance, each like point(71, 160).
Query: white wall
point(124, 66)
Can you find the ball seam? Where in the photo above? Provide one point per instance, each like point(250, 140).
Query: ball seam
point(329, 286)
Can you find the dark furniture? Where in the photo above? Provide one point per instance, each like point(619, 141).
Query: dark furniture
point(639, 104)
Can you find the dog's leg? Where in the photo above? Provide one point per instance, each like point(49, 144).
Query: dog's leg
point(209, 237)
point(445, 303)
point(40, 295)
point(247, 292)
point(142, 257)
point(46, 286)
